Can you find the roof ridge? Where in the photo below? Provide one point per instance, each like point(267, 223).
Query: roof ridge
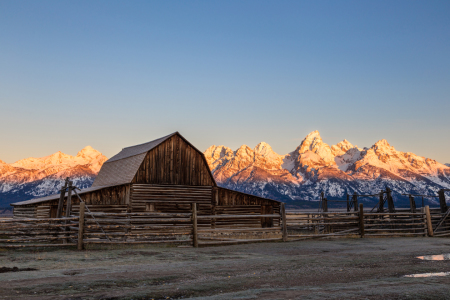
point(164, 137)
point(140, 148)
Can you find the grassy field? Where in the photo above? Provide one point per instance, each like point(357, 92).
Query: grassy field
point(314, 269)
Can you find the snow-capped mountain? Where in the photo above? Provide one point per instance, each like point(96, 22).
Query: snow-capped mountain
point(314, 166)
point(302, 174)
point(36, 177)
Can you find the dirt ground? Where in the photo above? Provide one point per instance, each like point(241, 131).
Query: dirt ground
point(356, 268)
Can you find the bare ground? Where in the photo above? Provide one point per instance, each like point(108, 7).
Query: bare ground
point(313, 269)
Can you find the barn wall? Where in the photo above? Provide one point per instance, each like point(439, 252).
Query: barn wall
point(114, 195)
point(171, 199)
point(114, 199)
point(47, 210)
point(110, 199)
point(236, 203)
point(228, 197)
point(21, 212)
point(174, 162)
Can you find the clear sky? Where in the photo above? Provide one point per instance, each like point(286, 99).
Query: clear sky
point(111, 74)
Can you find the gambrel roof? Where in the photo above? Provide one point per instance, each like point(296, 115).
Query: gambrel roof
point(122, 167)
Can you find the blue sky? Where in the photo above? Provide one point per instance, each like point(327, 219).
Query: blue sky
point(111, 74)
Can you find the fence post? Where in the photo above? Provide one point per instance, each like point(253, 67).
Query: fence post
point(325, 205)
point(412, 204)
point(81, 227)
point(355, 202)
point(381, 202)
point(69, 200)
point(68, 210)
point(429, 225)
point(284, 224)
point(361, 219)
point(390, 200)
point(59, 212)
point(348, 202)
point(194, 225)
point(442, 202)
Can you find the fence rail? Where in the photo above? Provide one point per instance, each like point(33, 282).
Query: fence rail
point(18, 233)
point(302, 225)
point(88, 227)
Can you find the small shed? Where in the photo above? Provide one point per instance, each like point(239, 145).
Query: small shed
point(164, 175)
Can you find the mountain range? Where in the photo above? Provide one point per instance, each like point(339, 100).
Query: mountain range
point(337, 170)
point(37, 177)
point(297, 177)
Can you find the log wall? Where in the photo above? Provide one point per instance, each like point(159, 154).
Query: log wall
point(114, 195)
point(174, 162)
point(21, 212)
point(107, 200)
point(228, 197)
point(166, 199)
point(236, 203)
point(99, 208)
point(47, 210)
point(171, 199)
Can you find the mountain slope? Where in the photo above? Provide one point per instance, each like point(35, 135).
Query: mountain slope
point(314, 166)
point(36, 177)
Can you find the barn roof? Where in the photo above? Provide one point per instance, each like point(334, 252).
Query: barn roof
point(139, 149)
point(55, 196)
point(122, 167)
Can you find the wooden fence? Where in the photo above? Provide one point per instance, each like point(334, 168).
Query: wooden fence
point(137, 228)
point(301, 225)
point(440, 222)
point(236, 229)
point(88, 227)
point(16, 233)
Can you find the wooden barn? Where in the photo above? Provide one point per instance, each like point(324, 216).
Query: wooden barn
point(164, 175)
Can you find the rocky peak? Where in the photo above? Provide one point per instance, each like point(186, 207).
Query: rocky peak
point(263, 149)
point(341, 148)
point(244, 151)
point(382, 144)
point(448, 165)
point(313, 143)
point(2, 162)
point(266, 158)
point(345, 145)
point(215, 153)
point(88, 153)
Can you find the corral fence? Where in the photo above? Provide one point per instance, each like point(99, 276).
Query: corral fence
point(86, 227)
point(302, 225)
point(54, 232)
